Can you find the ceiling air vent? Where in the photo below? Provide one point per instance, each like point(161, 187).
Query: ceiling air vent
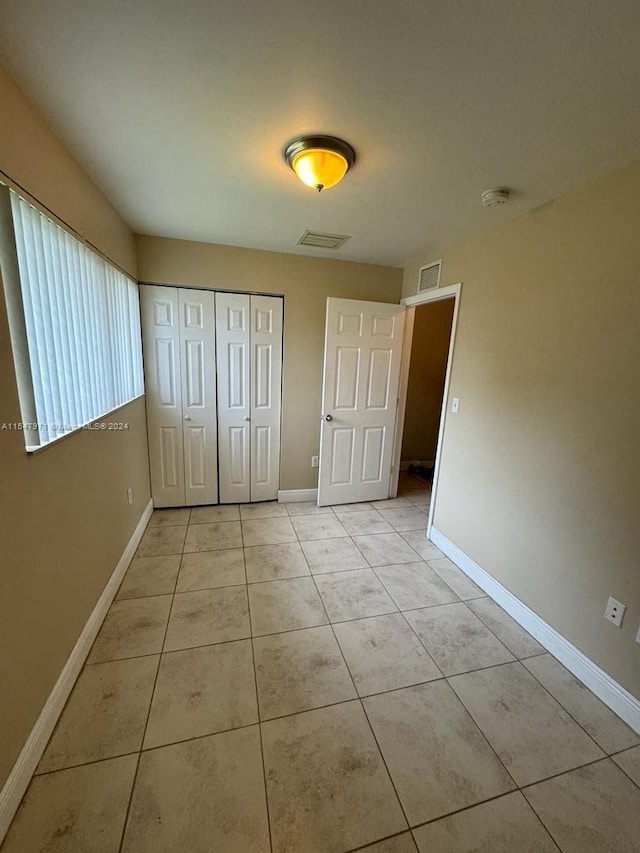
point(429, 276)
point(323, 241)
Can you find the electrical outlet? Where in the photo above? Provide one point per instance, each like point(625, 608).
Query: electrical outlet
point(615, 612)
point(455, 405)
point(129, 496)
point(315, 461)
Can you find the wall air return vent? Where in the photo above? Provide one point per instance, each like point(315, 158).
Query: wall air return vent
point(323, 241)
point(429, 277)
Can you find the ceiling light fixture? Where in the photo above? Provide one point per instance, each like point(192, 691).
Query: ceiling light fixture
point(319, 161)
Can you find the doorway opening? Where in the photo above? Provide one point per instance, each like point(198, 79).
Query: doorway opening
point(425, 387)
point(426, 368)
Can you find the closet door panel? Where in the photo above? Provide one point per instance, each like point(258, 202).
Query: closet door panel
point(234, 403)
point(161, 344)
point(199, 416)
point(170, 473)
point(266, 383)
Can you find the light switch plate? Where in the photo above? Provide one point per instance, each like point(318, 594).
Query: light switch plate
point(455, 405)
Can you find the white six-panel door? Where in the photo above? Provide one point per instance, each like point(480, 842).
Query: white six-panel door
point(249, 368)
point(199, 417)
point(266, 390)
point(161, 341)
point(234, 400)
point(363, 348)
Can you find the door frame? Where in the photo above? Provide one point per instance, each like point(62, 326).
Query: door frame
point(411, 302)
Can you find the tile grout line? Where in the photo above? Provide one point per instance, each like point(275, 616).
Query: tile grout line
point(492, 631)
point(324, 609)
point(153, 690)
point(267, 720)
point(359, 700)
point(622, 751)
point(529, 784)
point(413, 630)
point(68, 700)
point(542, 823)
point(544, 686)
point(84, 666)
point(364, 847)
point(419, 639)
point(304, 711)
point(335, 622)
point(561, 704)
point(384, 761)
point(85, 764)
point(255, 682)
point(327, 511)
point(483, 803)
point(249, 725)
point(475, 669)
point(483, 735)
point(517, 789)
point(556, 776)
point(371, 566)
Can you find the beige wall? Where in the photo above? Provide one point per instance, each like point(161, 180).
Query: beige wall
point(429, 351)
point(540, 477)
point(306, 283)
point(63, 511)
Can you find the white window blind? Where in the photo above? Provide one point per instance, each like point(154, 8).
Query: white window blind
point(82, 325)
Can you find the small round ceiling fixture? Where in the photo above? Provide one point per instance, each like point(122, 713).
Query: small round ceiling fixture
point(319, 161)
point(495, 197)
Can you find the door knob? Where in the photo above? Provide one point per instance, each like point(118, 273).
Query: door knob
point(328, 417)
point(187, 417)
point(247, 418)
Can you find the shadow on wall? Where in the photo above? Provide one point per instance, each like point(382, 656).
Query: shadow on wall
point(429, 351)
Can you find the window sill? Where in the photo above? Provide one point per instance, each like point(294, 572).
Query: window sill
point(99, 424)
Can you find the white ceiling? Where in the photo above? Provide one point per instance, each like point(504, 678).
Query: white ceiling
point(180, 110)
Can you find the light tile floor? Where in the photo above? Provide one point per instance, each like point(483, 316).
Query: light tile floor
point(298, 679)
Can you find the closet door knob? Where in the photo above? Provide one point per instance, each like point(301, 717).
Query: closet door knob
point(187, 417)
point(247, 418)
point(328, 417)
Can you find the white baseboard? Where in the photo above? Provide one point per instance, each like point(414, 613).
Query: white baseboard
point(290, 496)
point(426, 463)
point(22, 771)
point(609, 691)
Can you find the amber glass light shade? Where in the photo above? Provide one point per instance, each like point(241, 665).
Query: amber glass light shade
point(319, 168)
point(320, 161)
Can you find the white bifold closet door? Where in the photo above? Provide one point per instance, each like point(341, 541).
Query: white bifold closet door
point(179, 362)
point(249, 370)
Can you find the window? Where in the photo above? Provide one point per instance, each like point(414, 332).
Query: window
point(75, 326)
